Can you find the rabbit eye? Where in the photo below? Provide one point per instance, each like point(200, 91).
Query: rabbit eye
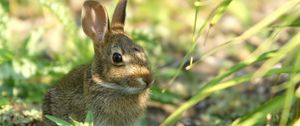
point(117, 58)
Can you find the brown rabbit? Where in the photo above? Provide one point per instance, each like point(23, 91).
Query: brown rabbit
point(114, 86)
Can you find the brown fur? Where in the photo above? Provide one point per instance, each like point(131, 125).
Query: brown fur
point(84, 88)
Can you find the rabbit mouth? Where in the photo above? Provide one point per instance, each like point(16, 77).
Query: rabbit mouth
point(125, 88)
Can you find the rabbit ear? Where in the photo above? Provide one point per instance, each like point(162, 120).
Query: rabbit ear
point(118, 18)
point(94, 20)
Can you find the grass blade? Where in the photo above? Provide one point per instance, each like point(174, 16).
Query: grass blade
point(75, 123)
point(58, 121)
point(283, 51)
point(199, 95)
point(260, 113)
point(258, 27)
point(238, 80)
point(214, 16)
point(248, 77)
point(295, 78)
point(220, 12)
point(89, 119)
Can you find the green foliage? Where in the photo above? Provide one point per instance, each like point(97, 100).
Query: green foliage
point(214, 16)
point(27, 70)
point(164, 97)
point(19, 114)
point(261, 112)
point(88, 120)
point(75, 45)
point(58, 121)
point(272, 106)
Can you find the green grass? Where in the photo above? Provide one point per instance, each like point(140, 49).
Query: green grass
point(26, 71)
point(283, 51)
point(87, 122)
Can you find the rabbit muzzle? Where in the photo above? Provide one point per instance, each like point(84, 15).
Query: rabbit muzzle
point(148, 80)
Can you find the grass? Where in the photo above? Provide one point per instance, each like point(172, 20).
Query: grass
point(26, 72)
point(214, 16)
point(262, 71)
point(87, 122)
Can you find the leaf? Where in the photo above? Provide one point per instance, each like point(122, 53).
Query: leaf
point(5, 5)
point(89, 119)
point(3, 101)
point(33, 40)
point(5, 55)
point(166, 97)
point(75, 123)
point(58, 121)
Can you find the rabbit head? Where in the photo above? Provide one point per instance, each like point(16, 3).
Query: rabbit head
point(119, 64)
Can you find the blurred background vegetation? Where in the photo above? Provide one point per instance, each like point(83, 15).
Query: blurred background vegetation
point(197, 49)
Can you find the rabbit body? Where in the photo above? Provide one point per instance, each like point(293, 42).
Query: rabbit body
point(110, 108)
point(114, 86)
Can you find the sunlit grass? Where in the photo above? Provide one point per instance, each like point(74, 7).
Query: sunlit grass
point(87, 122)
point(214, 16)
point(26, 73)
point(293, 43)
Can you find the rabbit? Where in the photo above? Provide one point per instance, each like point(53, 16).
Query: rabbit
point(114, 86)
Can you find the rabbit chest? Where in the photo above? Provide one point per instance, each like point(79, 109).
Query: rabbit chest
point(113, 108)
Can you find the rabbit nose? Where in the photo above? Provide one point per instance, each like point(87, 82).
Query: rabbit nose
point(148, 79)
